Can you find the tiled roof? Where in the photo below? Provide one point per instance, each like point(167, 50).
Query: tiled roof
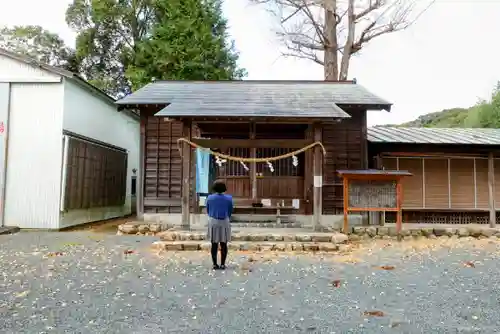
point(255, 98)
point(470, 136)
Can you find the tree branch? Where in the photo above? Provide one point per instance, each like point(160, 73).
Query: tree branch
point(338, 28)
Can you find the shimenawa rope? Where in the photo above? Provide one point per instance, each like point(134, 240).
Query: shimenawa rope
point(268, 159)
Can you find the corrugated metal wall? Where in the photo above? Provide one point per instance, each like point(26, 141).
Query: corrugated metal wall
point(34, 155)
point(4, 120)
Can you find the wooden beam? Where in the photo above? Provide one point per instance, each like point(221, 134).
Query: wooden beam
point(491, 189)
point(252, 143)
point(253, 165)
point(162, 201)
point(318, 179)
point(186, 175)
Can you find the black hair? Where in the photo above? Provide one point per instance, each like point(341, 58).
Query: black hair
point(219, 187)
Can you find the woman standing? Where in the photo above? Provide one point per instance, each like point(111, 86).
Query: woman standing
point(219, 210)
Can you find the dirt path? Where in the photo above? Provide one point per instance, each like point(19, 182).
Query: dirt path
point(109, 226)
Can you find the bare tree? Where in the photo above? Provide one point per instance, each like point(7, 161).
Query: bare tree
point(338, 29)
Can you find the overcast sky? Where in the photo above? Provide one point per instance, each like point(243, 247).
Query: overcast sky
point(450, 58)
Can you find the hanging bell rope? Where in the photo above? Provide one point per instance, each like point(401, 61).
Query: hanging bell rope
point(257, 160)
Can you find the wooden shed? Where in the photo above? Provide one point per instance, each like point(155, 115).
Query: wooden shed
point(456, 172)
point(251, 119)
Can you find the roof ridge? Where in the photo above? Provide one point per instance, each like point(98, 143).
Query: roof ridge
point(259, 81)
point(436, 128)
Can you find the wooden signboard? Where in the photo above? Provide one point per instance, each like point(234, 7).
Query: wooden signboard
point(372, 190)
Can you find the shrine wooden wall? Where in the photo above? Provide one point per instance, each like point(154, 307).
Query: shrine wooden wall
point(344, 141)
point(455, 183)
point(449, 183)
point(346, 146)
point(162, 165)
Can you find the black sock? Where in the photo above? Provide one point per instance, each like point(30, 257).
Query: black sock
point(223, 252)
point(214, 250)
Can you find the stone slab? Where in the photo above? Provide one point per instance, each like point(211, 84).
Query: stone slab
point(254, 233)
point(273, 235)
point(247, 246)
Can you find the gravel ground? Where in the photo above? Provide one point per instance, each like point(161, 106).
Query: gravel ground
point(83, 282)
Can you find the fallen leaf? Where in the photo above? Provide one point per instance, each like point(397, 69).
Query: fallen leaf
point(336, 283)
point(469, 264)
point(51, 254)
point(22, 294)
point(128, 252)
point(386, 267)
point(275, 291)
point(71, 244)
point(373, 313)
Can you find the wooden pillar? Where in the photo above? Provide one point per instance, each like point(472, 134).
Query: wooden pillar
point(253, 165)
point(142, 165)
point(345, 193)
point(318, 179)
point(377, 217)
point(399, 215)
point(491, 189)
point(195, 203)
point(308, 174)
point(186, 174)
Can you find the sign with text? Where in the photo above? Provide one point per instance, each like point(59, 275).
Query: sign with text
point(372, 194)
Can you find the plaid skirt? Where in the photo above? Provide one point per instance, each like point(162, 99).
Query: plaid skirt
point(219, 230)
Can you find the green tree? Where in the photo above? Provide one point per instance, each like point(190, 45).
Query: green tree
point(40, 44)
point(189, 42)
point(108, 32)
point(489, 111)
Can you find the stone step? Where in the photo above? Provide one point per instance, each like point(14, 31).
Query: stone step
point(259, 236)
point(266, 225)
point(191, 245)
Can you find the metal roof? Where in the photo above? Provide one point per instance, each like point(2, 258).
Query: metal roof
point(56, 70)
point(63, 73)
point(402, 135)
point(374, 172)
point(255, 98)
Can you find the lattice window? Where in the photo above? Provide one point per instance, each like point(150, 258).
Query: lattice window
point(283, 167)
point(233, 168)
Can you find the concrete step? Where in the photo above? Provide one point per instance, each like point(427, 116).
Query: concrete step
point(191, 245)
point(260, 235)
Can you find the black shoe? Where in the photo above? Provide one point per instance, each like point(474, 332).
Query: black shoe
point(223, 267)
point(216, 267)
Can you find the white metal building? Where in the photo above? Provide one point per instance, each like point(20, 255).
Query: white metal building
point(67, 156)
